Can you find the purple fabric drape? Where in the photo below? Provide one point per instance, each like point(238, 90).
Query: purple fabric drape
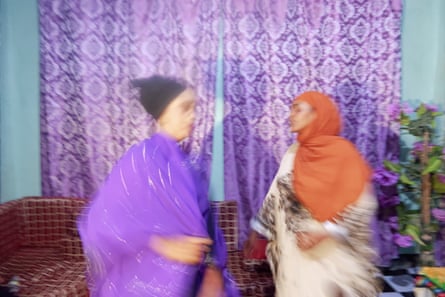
point(349, 49)
point(152, 190)
point(89, 53)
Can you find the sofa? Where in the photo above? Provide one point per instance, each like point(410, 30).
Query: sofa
point(40, 244)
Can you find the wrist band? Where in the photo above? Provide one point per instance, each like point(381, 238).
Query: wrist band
point(336, 230)
point(258, 227)
point(209, 261)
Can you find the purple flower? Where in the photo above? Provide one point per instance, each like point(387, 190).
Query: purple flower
point(403, 240)
point(438, 214)
point(387, 201)
point(431, 107)
point(386, 234)
point(385, 177)
point(441, 178)
point(418, 148)
point(406, 109)
point(394, 222)
point(394, 111)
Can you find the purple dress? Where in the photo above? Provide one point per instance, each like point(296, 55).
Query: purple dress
point(151, 190)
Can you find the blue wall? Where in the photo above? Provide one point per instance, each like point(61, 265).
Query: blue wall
point(423, 51)
point(19, 99)
point(423, 56)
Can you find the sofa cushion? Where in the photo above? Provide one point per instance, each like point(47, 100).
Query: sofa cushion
point(45, 272)
point(250, 283)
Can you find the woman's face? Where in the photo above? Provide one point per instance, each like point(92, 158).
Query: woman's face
point(301, 115)
point(178, 117)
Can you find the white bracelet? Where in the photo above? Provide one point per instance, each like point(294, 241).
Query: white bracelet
point(258, 227)
point(336, 230)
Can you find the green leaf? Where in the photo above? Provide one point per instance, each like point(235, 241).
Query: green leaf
point(436, 113)
point(437, 149)
point(433, 165)
point(404, 120)
point(392, 166)
point(438, 187)
point(414, 232)
point(421, 110)
point(404, 179)
point(412, 214)
point(435, 227)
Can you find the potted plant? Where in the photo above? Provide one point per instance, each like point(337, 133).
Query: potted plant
point(419, 180)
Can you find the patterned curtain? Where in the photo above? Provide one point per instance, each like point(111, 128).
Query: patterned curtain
point(90, 50)
point(274, 50)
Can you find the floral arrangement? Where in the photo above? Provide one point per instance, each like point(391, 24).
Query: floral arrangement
point(415, 184)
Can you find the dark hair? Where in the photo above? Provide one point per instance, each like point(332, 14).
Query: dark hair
point(156, 92)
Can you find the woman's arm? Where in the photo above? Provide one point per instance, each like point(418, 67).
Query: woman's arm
point(356, 218)
point(352, 226)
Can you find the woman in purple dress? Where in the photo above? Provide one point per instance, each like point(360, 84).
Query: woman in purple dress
point(148, 231)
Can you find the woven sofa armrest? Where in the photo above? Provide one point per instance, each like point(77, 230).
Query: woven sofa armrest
point(10, 227)
point(226, 213)
point(49, 220)
point(71, 244)
point(71, 247)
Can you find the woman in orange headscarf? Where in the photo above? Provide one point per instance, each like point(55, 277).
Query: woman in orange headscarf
point(318, 210)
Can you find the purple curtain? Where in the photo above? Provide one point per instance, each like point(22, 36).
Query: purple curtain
point(274, 50)
point(90, 50)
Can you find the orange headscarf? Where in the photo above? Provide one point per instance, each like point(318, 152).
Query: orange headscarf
point(329, 172)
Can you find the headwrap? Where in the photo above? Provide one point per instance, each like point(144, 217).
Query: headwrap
point(329, 172)
point(156, 92)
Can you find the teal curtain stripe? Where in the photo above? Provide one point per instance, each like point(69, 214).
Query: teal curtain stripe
point(217, 170)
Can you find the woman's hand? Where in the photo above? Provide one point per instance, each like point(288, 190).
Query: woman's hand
point(212, 283)
point(183, 249)
point(308, 240)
